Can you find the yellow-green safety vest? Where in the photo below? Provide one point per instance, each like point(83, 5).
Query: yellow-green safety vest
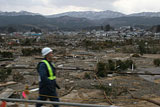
point(51, 76)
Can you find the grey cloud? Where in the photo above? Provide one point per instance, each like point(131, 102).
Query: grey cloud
point(24, 3)
point(98, 4)
point(61, 4)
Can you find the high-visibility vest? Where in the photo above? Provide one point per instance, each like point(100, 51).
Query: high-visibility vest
point(51, 76)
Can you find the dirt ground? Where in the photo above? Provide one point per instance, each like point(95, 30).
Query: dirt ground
point(78, 89)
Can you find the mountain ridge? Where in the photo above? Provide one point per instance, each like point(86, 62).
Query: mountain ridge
point(17, 13)
point(74, 23)
point(93, 15)
point(90, 14)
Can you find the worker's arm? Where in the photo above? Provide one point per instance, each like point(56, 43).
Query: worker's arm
point(58, 86)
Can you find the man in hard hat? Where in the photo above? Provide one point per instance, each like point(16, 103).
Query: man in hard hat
point(47, 80)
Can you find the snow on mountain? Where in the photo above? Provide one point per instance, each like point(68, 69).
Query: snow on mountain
point(17, 13)
point(147, 14)
point(90, 14)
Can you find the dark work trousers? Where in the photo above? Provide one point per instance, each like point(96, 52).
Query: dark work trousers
point(47, 94)
point(45, 98)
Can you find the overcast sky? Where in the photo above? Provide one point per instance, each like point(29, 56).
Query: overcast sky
point(48, 7)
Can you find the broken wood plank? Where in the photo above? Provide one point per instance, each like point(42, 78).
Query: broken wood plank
point(7, 83)
point(145, 99)
point(6, 59)
point(39, 58)
point(33, 90)
point(133, 73)
point(22, 67)
point(149, 100)
point(7, 93)
point(72, 68)
point(68, 91)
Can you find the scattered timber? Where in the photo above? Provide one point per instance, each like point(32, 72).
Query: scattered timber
point(77, 68)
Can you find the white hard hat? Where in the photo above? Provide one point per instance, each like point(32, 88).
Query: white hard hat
point(46, 50)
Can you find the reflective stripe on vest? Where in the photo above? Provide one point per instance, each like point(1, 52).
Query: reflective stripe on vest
point(51, 76)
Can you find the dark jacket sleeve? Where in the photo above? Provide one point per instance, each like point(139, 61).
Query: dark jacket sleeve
point(42, 70)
